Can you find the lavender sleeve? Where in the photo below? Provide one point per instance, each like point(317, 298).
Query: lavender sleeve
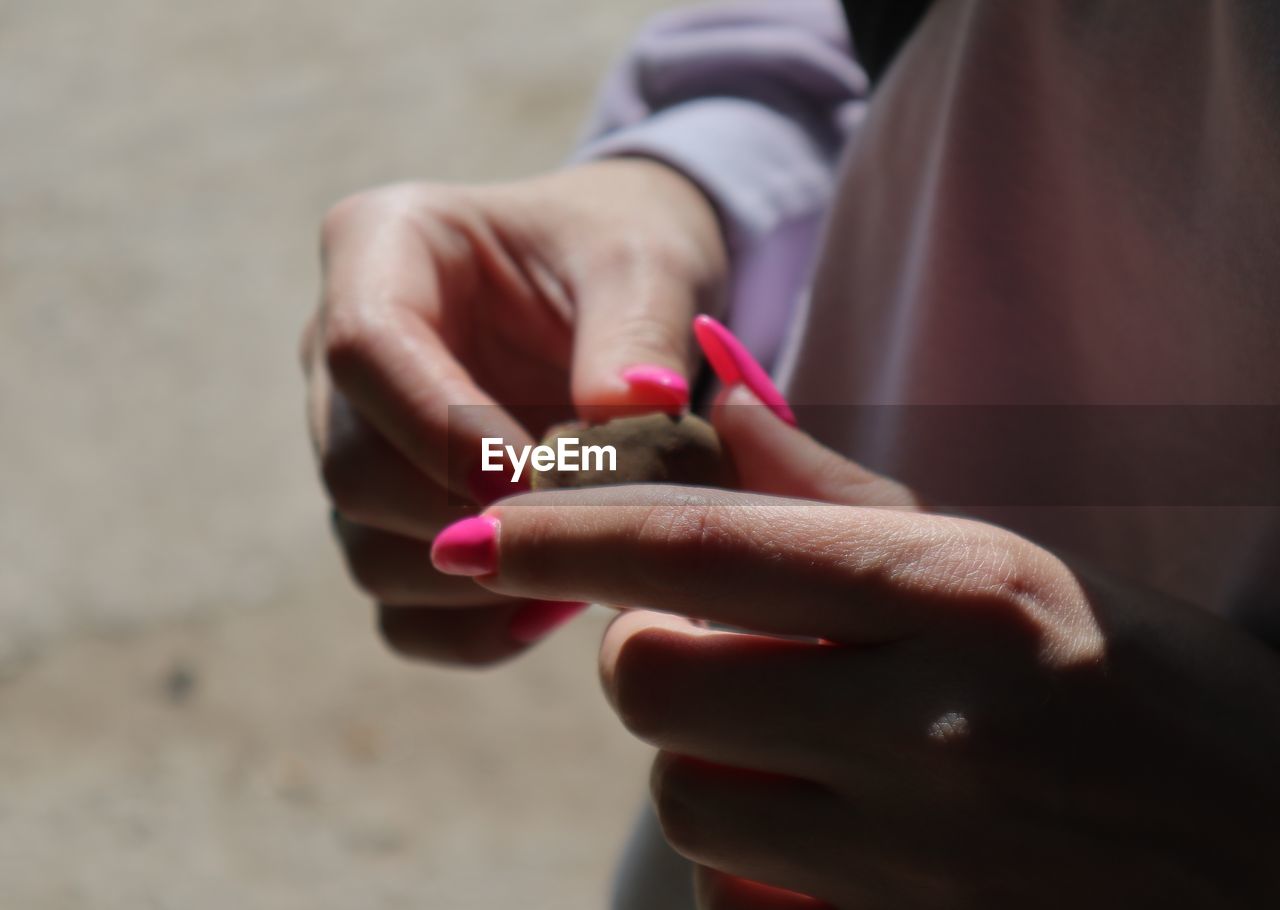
point(753, 101)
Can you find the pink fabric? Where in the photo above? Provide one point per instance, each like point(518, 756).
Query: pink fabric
point(1069, 204)
point(1049, 203)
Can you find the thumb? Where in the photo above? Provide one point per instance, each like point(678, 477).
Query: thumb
point(641, 274)
point(770, 454)
point(773, 457)
point(632, 341)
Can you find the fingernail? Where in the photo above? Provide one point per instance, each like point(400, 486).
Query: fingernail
point(488, 487)
point(657, 386)
point(468, 547)
point(538, 618)
point(734, 364)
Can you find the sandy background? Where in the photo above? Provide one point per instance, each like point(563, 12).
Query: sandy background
point(194, 709)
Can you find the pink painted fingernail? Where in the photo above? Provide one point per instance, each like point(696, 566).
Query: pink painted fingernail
point(488, 487)
point(467, 547)
point(657, 386)
point(734, 364)
point(538, 618)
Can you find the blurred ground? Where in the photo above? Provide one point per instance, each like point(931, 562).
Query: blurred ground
point(194, 712)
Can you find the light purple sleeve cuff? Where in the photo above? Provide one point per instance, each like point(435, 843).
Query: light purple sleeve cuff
point(760, 167)
point(771, 182)
point(752, 100)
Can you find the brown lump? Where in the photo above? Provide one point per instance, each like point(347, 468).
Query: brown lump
point(653, 448)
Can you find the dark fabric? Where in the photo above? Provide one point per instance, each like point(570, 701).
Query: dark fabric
point(879, 28)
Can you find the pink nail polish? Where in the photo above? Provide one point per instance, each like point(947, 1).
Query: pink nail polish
point(537, 619)
point(734, 364)
point(467, 547)
point(657, 386)
point(488, 487)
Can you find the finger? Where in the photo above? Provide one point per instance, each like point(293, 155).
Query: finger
point(749, 701)
point(761, 827)
point(718, 891)
point(735, 699)
point(632, 339)
point(371, 483)
point(841, 573)
point(827, 713)
point(397, 570)
point(474, 637)
point(467, 637)
point(770, 456)
point(387, 277)
point(798, 838)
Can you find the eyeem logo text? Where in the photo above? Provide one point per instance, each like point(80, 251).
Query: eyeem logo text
point(566, 455)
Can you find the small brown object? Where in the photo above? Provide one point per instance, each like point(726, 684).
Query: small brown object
point(653, 448)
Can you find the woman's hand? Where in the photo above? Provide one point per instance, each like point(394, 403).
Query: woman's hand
point(572, 292)
point(965, 720)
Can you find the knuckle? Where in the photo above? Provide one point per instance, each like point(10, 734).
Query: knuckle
point(613, 255)
point(672, 258)
point(343, 213)
point(638, 254)
point(375, 203)
point(651, 338)
point(991, 568)
point(994, 575)
point(665, 254)
point(686, 521)
point(682, 536)
point(351, 347)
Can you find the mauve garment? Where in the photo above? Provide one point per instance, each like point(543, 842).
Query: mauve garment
point(1068, 206)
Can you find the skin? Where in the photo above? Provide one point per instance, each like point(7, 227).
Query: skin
point(542, 290)
point(966, 719)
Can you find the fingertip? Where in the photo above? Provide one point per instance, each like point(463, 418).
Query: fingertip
point(629, 623)
point(468, 547)
point(635, 652)
point(711, 337)
point(737, 396)
point(734, 365)
point(746, 424)
point(637, 389)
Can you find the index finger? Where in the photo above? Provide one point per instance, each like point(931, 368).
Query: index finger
point(768, 564)
point(386, 282)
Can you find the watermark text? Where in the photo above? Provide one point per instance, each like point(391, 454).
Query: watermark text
point(568, 454)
